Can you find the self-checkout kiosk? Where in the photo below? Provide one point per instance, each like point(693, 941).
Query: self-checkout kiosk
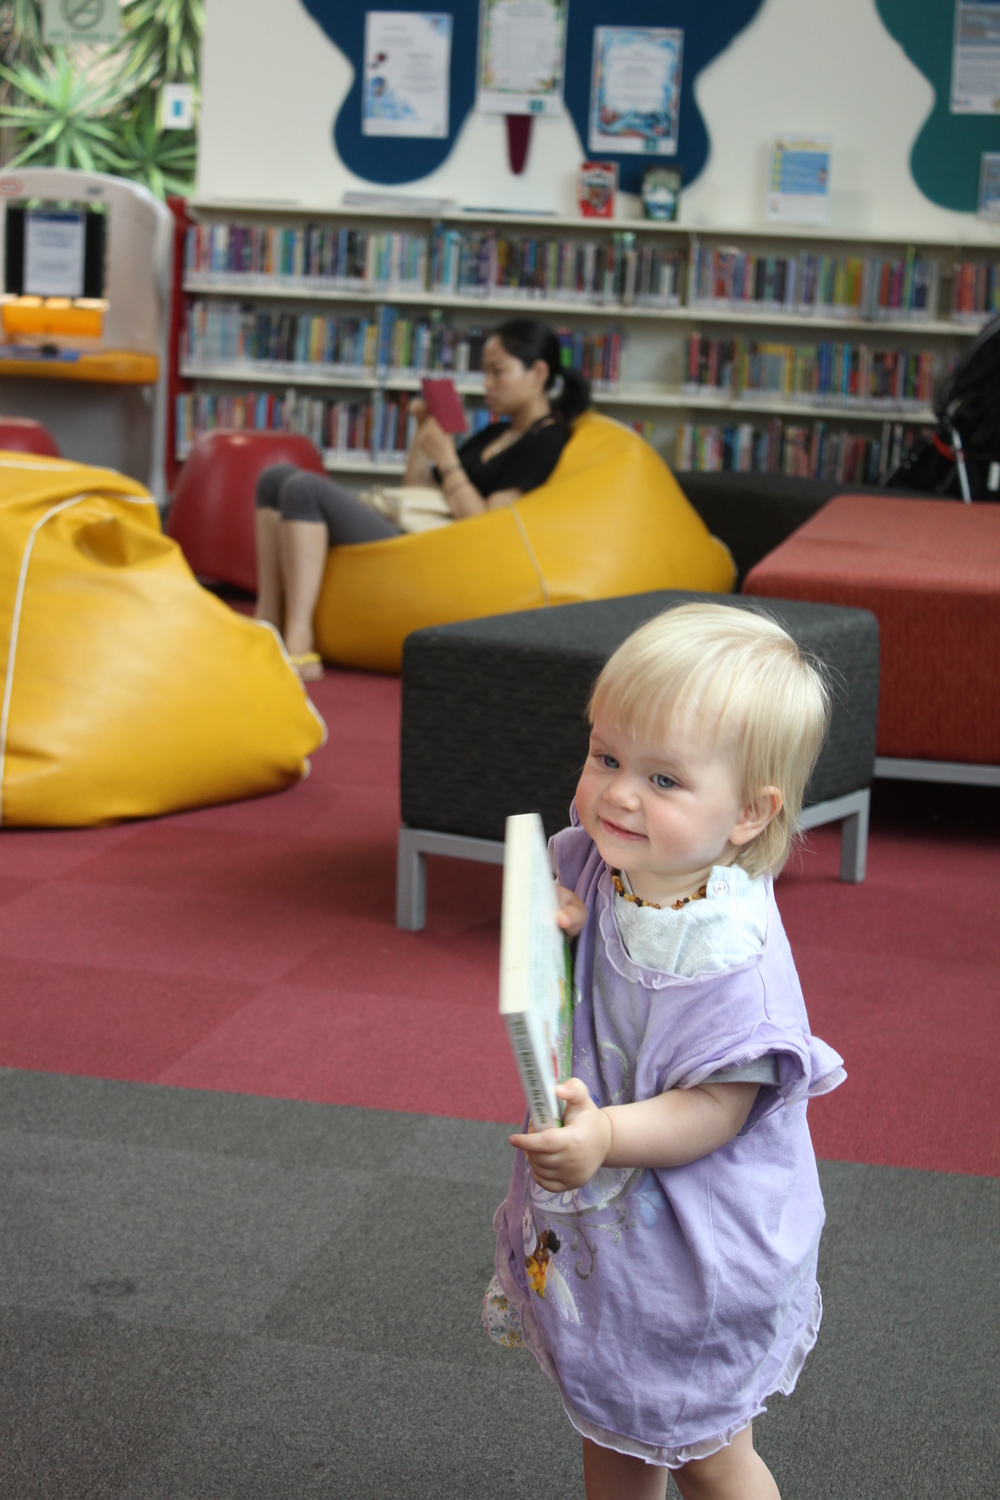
point(85, 316)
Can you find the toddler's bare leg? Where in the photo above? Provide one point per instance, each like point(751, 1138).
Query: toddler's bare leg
point(734, 1473)
point(617, 1476)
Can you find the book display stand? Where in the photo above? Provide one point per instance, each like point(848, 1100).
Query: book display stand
point(796, 351)
point(85, 315)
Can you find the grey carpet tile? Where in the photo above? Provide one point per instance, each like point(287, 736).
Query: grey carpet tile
point(245, 1125)
point(213, 1295)
point(200, 1241)
point(86, 1402)
point(301, 1420)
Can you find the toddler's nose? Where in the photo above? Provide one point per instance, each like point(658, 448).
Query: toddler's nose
point(622, 791)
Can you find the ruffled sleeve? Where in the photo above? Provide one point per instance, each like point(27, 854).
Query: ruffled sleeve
point(807, 1067)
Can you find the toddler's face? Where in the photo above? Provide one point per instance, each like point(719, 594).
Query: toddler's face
point(663, 811)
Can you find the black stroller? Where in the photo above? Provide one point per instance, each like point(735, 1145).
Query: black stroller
point(962, 458)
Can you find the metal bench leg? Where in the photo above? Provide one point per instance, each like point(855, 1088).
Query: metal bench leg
point(411, 867)
point(854, 843)
point(411, 883)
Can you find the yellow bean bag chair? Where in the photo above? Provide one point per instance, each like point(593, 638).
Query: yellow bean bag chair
point(611, 520)
point(127, 689)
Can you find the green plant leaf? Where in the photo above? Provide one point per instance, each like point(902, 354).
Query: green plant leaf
point(97, 108)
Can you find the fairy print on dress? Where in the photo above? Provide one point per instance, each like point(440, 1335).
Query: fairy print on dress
point(539, 1248)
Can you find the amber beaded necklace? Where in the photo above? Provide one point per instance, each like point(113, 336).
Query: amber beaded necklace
point(619, 886)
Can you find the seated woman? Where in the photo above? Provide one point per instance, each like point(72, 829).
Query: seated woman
point(301, 515)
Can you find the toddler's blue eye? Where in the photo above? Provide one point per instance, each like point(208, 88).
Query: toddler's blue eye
point(608, 762)
point(663, 783)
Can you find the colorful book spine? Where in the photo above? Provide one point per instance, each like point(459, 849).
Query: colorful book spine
point(874, 288)
point(794, 449)
point(383, 345)
point(616, 269)
point(975, 291)
point(827, 373)
point(378, 429)
point(323, 255)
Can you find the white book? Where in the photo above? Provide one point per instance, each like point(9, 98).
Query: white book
point(536, 972)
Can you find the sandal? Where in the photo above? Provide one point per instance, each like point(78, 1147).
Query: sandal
point(309, 666)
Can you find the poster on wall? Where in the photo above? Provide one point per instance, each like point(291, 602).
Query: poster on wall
point(522, 45)
point(975, 58)
point(798, 189)
point(989, 185)
point(407, 72)
point(635, 90)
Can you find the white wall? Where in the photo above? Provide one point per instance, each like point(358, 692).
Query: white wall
point(273, 82)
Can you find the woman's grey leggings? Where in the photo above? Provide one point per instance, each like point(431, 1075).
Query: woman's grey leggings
point(300, 496)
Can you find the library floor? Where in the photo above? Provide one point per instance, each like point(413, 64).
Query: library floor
point(252, 1138)
point(211, 1294)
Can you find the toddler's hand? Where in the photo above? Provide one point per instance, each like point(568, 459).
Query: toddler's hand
point(572, 913)
point(567, 1156)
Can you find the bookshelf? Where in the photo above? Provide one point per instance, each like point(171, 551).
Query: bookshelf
point(627, 297)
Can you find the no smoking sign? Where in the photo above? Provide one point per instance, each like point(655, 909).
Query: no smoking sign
point(80, 21)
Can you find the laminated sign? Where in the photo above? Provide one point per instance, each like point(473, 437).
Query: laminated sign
point(66, 21)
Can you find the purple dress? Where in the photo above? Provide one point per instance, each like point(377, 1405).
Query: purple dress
point(677, 1300)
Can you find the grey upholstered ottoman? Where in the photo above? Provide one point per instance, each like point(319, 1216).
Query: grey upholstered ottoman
point(494, 723)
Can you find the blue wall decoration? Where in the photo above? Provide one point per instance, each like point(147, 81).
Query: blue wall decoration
point(945, 156)
point(708, 29)
point(391, 159)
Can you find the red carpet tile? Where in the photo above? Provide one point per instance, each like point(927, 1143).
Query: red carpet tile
point(252, 948)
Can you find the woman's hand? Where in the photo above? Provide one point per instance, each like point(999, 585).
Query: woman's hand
point(566, 1156)
point(572, 914)
point(438, 445)
point(418, 465)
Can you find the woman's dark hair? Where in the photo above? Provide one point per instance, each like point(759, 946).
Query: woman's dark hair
point(528, 339)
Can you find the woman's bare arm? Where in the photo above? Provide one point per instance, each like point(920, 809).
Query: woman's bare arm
point(418, 462)
point(418, 467)
point(433, 445)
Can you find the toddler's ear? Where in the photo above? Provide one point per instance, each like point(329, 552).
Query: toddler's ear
point(756, 815)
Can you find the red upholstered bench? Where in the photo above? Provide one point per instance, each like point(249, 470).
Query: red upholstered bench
point(929, 570)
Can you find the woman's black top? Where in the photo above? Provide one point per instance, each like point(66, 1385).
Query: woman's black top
point(525, 465)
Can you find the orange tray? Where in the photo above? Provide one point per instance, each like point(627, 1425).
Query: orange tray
point(111, 366)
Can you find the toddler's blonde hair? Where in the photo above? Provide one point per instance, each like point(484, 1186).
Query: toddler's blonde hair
point(749, 686)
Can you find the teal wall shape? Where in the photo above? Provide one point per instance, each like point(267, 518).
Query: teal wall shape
point(946, 154)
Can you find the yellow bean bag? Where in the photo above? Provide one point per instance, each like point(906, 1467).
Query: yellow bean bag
point(127, 689)
point(611, 520)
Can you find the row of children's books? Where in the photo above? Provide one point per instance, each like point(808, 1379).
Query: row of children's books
point(459, 261)
point(806, 452)
point(975, 290)
point(874, 287)
point(378, 429)
point(621, 269)
point(613, 270)
point(832, 372)
point(226, 332)
point(327, 256)
point(383, 343)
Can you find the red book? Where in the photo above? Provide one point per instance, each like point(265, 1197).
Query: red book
point(444, 403)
